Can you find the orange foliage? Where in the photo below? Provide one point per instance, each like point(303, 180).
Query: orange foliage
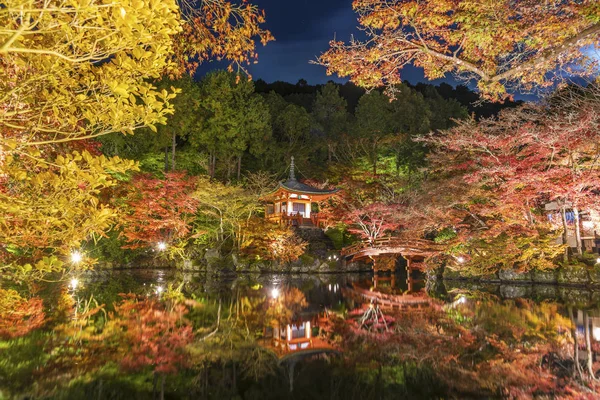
point(152, 335)
point(160, 209)
point(500, 43)
point(272, 241)
point(19, 316)
point(221, 30)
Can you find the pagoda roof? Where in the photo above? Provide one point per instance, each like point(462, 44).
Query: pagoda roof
point(293, 185)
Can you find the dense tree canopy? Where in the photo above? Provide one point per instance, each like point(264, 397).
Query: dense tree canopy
point(63, 81)
point(500, 44)
point(233, 120)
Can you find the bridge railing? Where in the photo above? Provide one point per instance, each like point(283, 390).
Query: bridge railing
point(389, 241)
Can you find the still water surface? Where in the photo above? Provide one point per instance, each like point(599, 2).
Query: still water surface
point(141, 334)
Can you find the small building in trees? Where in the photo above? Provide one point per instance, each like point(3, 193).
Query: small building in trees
point(580, 227)
point(295, 203)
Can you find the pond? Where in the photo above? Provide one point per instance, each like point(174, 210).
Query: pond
point(141, 334)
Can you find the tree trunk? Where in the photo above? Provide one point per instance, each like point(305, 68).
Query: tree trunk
point(228, 169)
point(374, 161)
point(100, 389)
point(234, 379)
point(374, 157)
point(166, 158)
point(154, 383)
point(588, 345)
point(162, 388)
point(565, 230)
point(239, 167)
point(329, 152)
point(211, 165)
point(576, 364)
point(173, 145)
point(577, 231)
point(530, 217)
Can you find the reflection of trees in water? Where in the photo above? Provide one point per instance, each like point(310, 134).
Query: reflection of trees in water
point(586, 337)
point(478, 346)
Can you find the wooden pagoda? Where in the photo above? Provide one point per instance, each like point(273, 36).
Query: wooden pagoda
point(295, 203)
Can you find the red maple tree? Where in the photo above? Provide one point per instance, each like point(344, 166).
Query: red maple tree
point(159, 209)
point(512, 166)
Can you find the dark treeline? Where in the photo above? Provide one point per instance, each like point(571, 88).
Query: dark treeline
point(304, 94)
point(225, 125)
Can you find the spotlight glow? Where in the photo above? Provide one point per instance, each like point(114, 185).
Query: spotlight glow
point(76, 257)
point(460, 259)
point(275, 293)
point(159, 289)
point(74, 283)
point(162, 246)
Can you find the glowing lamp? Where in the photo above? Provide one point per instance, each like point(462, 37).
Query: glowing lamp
point(74, 283)
point(598, 260)
point(159, 289)
point(275, 293)
point(162, 246)
point(460, 259)
point(76, 257)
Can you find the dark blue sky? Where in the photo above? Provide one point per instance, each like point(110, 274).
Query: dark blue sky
point(302, 30)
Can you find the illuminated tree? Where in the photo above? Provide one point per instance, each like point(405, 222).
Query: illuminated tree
point(272, 241)
point(497, 175)
point(48, 210)
point(159, 210)
point(63, 80)
point(224, 211)
point(79, 70)
point(501, 44)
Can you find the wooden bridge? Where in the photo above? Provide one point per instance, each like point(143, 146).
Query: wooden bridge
point(414, 302)
point(391, 245)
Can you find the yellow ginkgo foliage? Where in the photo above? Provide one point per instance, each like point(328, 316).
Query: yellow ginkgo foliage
point(47, 210)
point(73, 70)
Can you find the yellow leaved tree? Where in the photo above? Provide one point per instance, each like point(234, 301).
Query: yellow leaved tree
point(73, 70)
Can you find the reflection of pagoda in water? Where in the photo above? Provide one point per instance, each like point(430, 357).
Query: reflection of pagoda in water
point(292, 337)
point(298, 333)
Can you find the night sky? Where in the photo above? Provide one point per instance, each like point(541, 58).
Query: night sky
point(302, 30)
